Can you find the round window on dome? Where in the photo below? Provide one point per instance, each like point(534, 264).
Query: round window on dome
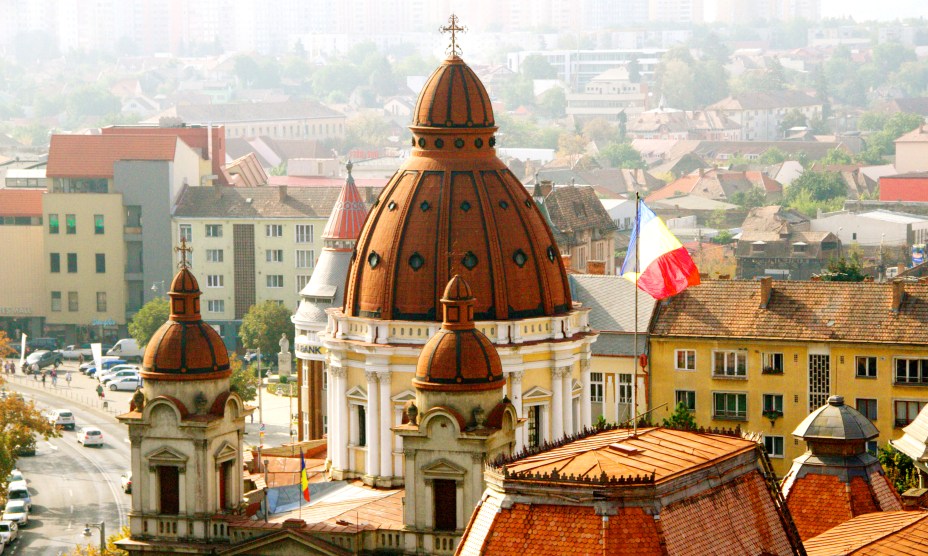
point(465, 206)
point(552, 254)
point(492, 141)
point(478, 142)
point(373, 259)
point(459, 143)
point(422, 142)
point(439, 143)
point(424, 206)
point(503, 205)
point(416, 261)
point(520, 257)
point(469, 261)
point(391, 205)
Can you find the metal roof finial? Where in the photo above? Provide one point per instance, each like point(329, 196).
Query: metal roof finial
point(453, 28)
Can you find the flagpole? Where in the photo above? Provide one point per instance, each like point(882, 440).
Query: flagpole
point(635, 349)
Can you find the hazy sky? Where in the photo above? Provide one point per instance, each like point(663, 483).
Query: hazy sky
point(871, 9)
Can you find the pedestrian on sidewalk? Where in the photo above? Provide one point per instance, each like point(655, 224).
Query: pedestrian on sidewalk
point(100, 390)
point(80, 360)
point(54, 378)
point(43, 379)
point(67, 378)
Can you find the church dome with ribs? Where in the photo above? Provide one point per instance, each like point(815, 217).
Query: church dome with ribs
point(185, 347)
point(455, 208)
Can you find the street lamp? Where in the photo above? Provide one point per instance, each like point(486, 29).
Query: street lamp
point(102, 527)
point(158, 291)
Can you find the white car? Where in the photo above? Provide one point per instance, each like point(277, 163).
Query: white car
point(15, 475)
point(112, 375)
point(9, 532)
point(17, 490)
point(129, 383)
point(62, 418)
point(17, 512)
point(90, 436)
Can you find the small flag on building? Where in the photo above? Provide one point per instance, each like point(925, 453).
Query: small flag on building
point(304, 480)
point(656, 260)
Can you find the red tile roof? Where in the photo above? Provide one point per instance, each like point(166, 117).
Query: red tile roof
point(820, 502)
point(876, 534)
point(25, 202)
point(93, 156)
point(810, 311)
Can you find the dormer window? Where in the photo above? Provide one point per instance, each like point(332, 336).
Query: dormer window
point(758, 247)
point(800, 247)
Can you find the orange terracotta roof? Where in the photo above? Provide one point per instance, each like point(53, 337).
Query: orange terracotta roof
point(678, 187)
point(812, 311)
point(820, 502)
point(876, 534)
point(93, 156)
point(365, 508)
point(348, 214)
point(619, 454)
point(25, 202)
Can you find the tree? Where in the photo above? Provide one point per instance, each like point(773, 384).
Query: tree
point(793, 118)
point(263, 325)
point(772, 155)
point(598, 130)
point(837, 157)
point(570, 145)
point(535, 66)
point(6, 345)
point(552, 103)
point(622, 155)
point(634, 70)
point(148, 320)
point(20, 422)
point(843, 269)
point(749, 199)
point(244, 380)
point(899, 468)
point(681, 418)
point(368, 129)
point(93, 548)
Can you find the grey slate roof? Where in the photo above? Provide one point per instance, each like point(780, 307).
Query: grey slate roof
point(254, 112)
point(256, 202)
point(836, 421)
point(326, 287)
point(611, 300)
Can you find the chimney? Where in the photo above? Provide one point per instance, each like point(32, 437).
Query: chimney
point(766, 289)
point(282, 193)
point(898, 295)
point(914, 499)
point(596, 267)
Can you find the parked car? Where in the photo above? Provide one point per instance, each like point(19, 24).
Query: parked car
point(43, 358)
point(15, 475)
point(74, 351)
point(89, 364)
point(106, 364)
point(17, 512)
point(25, 449)
point(9, 532)
point(126, 482)
point(128, 349)
point(90, 436)
point(129, 383)
point(19, 491)
point(35, 344)
point(118, 370)
point(61, 418)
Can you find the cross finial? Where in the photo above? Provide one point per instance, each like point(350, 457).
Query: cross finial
point(183, 249)
point(454, 29)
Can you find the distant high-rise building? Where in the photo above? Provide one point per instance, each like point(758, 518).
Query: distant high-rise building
point(746, 11)
point(676, 11)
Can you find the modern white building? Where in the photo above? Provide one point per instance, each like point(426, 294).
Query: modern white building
point(874, 228)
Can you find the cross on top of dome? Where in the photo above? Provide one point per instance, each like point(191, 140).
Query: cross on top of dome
point(183, 250)
point(454, 29)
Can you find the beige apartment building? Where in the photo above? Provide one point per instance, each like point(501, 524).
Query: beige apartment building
point(23, 303)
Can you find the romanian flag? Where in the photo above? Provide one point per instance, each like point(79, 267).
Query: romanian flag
point(304, 480)
point(664, 267)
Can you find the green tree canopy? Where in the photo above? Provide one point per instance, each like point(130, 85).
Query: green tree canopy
point(147, 321)
point(535, 66)
point(681, 418)
point(844, 269)
point(899, 468)
point(244, 380)
point(20, 422)
point(749, 199)
point(622, 155)
point(552, 103)
point(263, 325)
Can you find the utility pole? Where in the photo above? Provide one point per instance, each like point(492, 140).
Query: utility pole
point(260, 387)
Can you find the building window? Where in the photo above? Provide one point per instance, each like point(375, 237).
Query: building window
point(867, 407)
point(184, 232)
point(730, 364)
point(214, 230)
point(274, 255)
point(168, 489)
point(301, 281)
point(215, 280)
point(70, 222)
point(101, 302)
point(273, 230)
point(275, 280)
point(52, 223)
point(596, 387)
point(687, 398)
point(72, 301)
point(911, 371)
point(304, 233)
point(865, 366)
point(56, 302)
point(906, 411)
point(773, 363)
point(685, 360)
point(72, 263)
point(773, 404)
point(304, 258)
point(101, 263)
point(534, 426)
point(444, 499)
point(362, 426)
point(214, 255)
point(54, 262)
point(215, 305)
point(774, 446)
point(730, 405)
point(98, 227)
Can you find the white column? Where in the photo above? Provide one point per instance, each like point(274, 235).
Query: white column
point(568, 407)
point(386, 421)
point(340, 375)
point(586, 409)
point(557, 403)
point(517, 403)
point(373, 431)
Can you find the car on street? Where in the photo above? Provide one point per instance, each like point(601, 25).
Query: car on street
point(17, 512)
point(27, 448)
point(126, 482)
point(61, 418)
point(117, 371)
point(9, 532)
point(15, 475)
point(90, 436)
point(43, 358)
point(74, 351)
point(19, 491)
point(35, 344)
point(125, 383)
point(107, 364)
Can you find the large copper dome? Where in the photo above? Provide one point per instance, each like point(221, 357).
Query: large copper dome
point(455, 208)
point(185, 347)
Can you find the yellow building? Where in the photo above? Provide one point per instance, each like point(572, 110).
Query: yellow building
point(23, 297)
point(764, 354)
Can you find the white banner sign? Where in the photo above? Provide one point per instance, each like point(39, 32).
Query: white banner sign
point(22, 352)
point(97, 351)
